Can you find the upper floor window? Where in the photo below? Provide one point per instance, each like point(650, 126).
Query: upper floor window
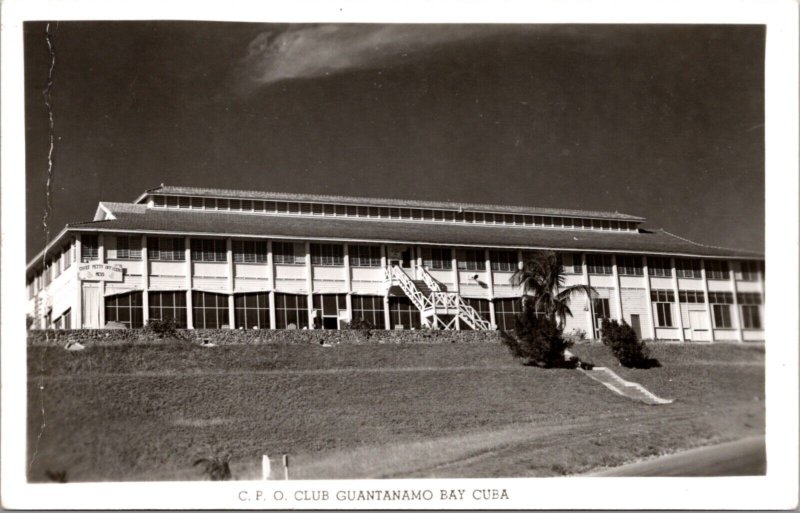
point(89, 248)
point(250, 251)
point(717, 270)
point(505, 261)
point(327, 254)
point(598, 264)
point(471, 259)
point(209, 250)
point(437, 258)
point(288, 253)
point(129, 247)
point(629, 265)
point(691, 296)
point(659, 266)
point(662, 296)
point(688, 268)
point(749, 270)
point(723, 298)
point(364, 256)
point(166, 248)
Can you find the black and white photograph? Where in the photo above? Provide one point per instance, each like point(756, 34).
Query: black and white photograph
point(359, 263)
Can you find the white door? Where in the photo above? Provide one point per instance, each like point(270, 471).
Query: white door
point(699, 323)
point(91, 305)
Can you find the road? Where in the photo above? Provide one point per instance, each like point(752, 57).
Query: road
point(746, 457)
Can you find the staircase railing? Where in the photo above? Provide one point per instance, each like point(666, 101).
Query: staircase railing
point(429, 280)
point(452, 301)
point(395, 273)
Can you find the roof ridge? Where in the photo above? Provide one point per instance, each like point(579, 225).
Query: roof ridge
point(400, 201)
point(710, 246)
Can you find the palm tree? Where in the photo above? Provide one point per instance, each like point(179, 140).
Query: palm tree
point(542, 280)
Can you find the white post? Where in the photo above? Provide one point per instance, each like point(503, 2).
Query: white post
point(386, 316)
point(271, 278)
point(79, 299)
point(736, 314)
point(145, 283)
point(456, 285)
point(418, 259)
point(649, 298)
point(230, 268)
point(309, 286)
point(709, 315)
point(188, 257)
point(617, 290)
point(348, 286)
point(265, 467)
point(490, 286)
point(677, 298)
point(101, 257)
point(590, 301)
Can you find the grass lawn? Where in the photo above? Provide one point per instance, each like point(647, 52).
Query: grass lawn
point(147, 412)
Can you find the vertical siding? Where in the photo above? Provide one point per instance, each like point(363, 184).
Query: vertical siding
point(635, 301)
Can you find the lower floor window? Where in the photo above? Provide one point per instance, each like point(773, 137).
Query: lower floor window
point(64, 322)
point(664, 315)
point(209, 310)
point(291, 311)
point(602, 310)
point(125, 309)
point(751, 317)
point(252, 310)
point(505, 312)
point(369, 309)
point(722, 316)
point(168, 305)
point(402, 312)
point(327, 308)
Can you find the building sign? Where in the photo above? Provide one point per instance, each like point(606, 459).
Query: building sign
point(100, 272)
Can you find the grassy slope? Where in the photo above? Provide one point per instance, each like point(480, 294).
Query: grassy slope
point(146, 412)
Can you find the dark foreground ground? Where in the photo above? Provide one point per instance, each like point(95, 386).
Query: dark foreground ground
point(448, 410)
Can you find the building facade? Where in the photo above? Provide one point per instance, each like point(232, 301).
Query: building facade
point(212, 258)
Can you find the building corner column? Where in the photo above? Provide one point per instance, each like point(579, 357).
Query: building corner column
point(649, 297)
point(271, 279)
point(456, 284)
point(348, 285)
point(101, 257)
point(490, 287)
point(386, 316)
point(681, 334)
point(590, 302)
point(617, 290)
point(309, 286)
point(737, 316)
point(79, 299)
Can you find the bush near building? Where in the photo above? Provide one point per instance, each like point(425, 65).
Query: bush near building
point(626, 346)
point(537, 339)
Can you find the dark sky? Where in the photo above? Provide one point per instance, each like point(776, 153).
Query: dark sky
point(660, 121)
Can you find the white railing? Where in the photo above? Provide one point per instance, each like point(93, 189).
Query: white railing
point(396, 274)
point(454, 304)
point(429, 280)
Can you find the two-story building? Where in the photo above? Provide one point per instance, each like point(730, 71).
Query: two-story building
point(213, 258)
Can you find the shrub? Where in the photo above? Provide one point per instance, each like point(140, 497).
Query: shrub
point(216, 468)
point(626, 346)
point(358, 324)
point(162, 328)
point(537, 340)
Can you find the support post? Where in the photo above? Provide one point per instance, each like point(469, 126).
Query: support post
point(189, 307)
point(490, 286)
point(145, 283)
point(79, 299)
point(681, 334)
point(709, 314)
point(386, 316)
point(590, 301)
point(348, 286)
point(271, 278)
point(648, 298)
point(230, 268)
point(617, 290)
point(737, 317)
point(309, 286)
point(456, 284)
point(101, 257)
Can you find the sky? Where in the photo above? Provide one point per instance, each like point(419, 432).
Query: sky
point(664, 122)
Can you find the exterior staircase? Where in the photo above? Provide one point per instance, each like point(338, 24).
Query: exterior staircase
point(440, 309)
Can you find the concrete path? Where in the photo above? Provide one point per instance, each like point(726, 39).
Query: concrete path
point(746, 457)
point(628, 389)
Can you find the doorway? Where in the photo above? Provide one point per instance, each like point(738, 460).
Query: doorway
point(636, 324)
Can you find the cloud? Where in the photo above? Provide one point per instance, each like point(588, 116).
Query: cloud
point(317, 51)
